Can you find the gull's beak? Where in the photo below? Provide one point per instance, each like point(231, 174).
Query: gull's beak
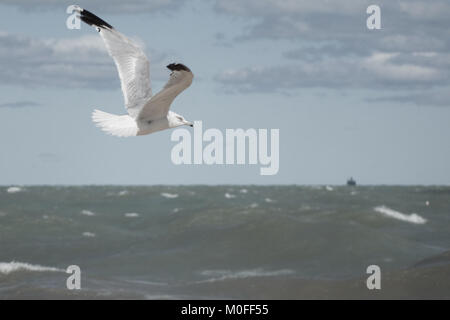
point(190, 124)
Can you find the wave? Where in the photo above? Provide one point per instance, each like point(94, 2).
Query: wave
point(151, 283)
point(169, 195)
point(436, 260)
point(14, 189)
point(87, 213)
point(13, 266)
point(412, 218)
point(229, 196)
point(89, 234)
point(221, 275)
point(131, 215)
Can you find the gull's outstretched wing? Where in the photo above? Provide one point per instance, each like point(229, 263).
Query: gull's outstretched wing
point(130, 60)
point(159, 105)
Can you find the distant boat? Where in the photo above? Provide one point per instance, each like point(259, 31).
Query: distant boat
point(351, 182)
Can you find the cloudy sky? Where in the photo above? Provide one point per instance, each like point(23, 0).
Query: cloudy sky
point(372, 104)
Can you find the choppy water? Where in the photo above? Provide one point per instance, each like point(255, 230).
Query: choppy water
point(242, 242)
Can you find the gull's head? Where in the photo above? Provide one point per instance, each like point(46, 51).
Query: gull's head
point(177, 120)
point(180, 69)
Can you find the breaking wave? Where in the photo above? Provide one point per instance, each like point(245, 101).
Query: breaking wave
point(14, 189)
point(131, 215)
point(169, 195)
point(87, 213)
point(13, 266)
point(221, 275)
point(412, 218)
point(88, 234)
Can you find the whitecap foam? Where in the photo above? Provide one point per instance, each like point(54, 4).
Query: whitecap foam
point(87, 213)
point(131, 215)
point(14, 266)
point(146, 282)
point(412, 218)
point(89, 234)
point(123, 193)
point(221, 275)
point(329, 188)
point(169, 195)
point(243, 191)
point(14, 189)
point(268, 200)
point(229, 195)
point(254, 205)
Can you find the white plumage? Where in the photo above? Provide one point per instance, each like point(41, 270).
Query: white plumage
point(146, 113)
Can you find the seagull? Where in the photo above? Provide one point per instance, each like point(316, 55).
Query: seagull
point(147, 113)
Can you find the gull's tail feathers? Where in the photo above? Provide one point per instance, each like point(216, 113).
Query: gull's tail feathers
point(120, 126)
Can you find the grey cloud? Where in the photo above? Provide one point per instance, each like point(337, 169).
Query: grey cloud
point(322, 19)
point(69, 63)
point(343, 23)
point(438, 98)
point(377, 71)
point(105, 6)
point(19, 104)
point(62, 63)
point(335, 49)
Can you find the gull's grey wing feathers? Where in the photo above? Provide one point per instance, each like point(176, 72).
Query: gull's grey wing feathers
point(159, 105)
point(130, 60)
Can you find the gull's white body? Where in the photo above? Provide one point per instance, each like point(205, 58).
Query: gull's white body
point(146, 113)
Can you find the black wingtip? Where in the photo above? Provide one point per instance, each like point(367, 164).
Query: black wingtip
point(92, 20)
point(178, 67)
